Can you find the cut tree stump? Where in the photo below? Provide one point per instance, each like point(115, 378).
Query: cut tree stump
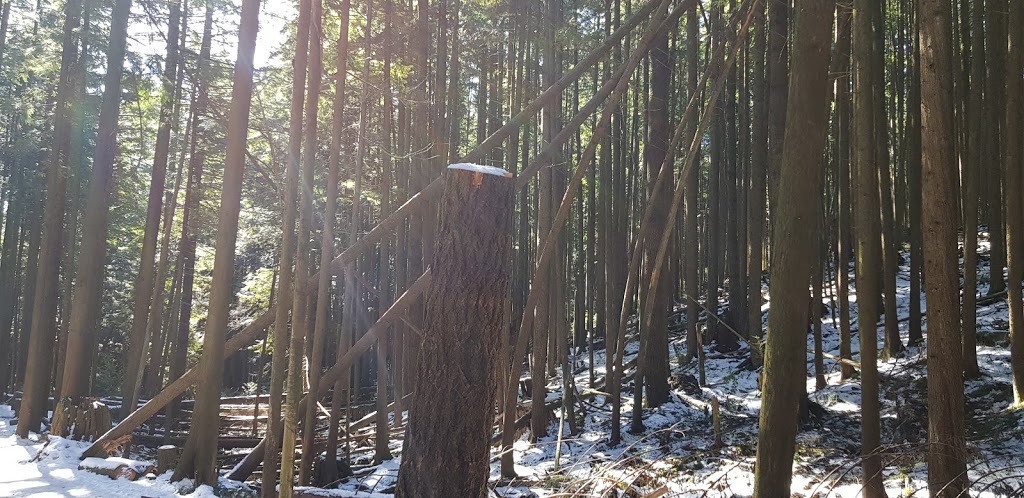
point(167, 458)
point(82, 419)
point(451, 416)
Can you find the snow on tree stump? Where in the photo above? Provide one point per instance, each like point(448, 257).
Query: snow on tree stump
point(447, 445)
point(83, 419)
point(167, 458)
point(116, 468)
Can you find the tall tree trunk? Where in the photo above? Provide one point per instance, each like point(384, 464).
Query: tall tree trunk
point(85, 307)
point(546, 315)
point(315, 359)
point(138, 341)
point(32, 224)
point(995, 92)
point(159, 330)
point(76, 170)
point(715, 222)
point(947, 449)
point(8, 274)
point(756, 194)
point(43, 332)
point(869, 246)
point(969, 172)
point(845, 200)
point(1014, 204)
point(5, 18)
point(181, 312)
point(383, 431)
point(893, 344)
point(200, 453)
point(283, 346)
point(778, 93)
point(299, 349)
point(799, 183)
point(655, 344)
point(915, 334)
point(327, 242)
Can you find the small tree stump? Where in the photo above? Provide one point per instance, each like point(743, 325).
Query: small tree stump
point(83, 419)
point(716, 420)
point(167, 458)
point(447, 444)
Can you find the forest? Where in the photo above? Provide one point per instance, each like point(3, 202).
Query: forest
point(512, 248)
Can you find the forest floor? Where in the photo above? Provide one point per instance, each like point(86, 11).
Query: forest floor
point(676, 455)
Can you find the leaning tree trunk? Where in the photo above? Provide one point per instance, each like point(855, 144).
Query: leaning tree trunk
point(466, 313)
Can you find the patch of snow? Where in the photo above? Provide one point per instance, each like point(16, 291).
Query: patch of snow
point(479, 168)
point(39, 469)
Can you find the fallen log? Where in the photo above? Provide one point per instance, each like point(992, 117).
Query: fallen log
point(524, 420)
point(176, 388)
point(365, 421)
point(116, 468)
point(248, 465)
point(223, 442)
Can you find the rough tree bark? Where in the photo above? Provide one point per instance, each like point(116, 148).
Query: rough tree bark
point(947, 449)
point(799, 183)
point(452, 414)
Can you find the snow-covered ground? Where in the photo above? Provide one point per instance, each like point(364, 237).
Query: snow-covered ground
point(676, 451)
point(48, 467)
